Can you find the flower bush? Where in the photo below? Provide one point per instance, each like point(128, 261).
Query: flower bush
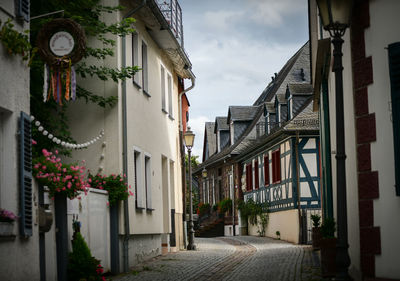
point(67, 179)
point(203, 209)
point(116, 186)
point(7, 216)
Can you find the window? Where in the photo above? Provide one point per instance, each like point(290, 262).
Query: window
point(256, 174)
point(394, 67)
point(266, 170)
point(249, 177)
point(147, 182)
point(170, 96)
point(276, 166)
point(138, 181)
point(163, 97)
point(145, 80)
point(135, 57)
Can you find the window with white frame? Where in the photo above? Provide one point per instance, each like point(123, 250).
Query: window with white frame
point(139, 190)
point(163, 94)
point(145, 70)
point(170, 103)
point(147, 182)
point(135, 57)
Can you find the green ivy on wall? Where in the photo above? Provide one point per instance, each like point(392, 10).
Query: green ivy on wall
point(16, 43)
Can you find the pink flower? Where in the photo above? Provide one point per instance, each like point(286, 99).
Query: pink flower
point(131, 193)
point(44, 167)
point(69, 184)
point(34, 142)
point(90, 180)
point(108, 203)
point(56, 152)
point(63, 188)
point(130, 186)
point(36, 166)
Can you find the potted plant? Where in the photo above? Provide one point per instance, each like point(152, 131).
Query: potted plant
point(316, 231)
point(7, 219)
point(328, 247)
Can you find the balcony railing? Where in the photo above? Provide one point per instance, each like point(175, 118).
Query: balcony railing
point(173, 14)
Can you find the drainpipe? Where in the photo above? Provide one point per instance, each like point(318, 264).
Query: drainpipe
point(125, 253)
point(298, 184)
point(183, 170)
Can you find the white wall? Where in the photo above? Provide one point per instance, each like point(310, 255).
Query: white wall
point(19, 257)
point(94, 215)
point(383, 31)
point(286, 222)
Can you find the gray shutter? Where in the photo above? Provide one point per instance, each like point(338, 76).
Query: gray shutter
point(394, 68)
point(25, 172)
point(22, 9)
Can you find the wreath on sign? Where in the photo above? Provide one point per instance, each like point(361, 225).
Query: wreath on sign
point(61, 43)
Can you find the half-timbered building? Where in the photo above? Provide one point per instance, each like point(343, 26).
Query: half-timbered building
point(268, 151)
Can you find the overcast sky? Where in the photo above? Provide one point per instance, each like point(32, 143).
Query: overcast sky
point(235, 47)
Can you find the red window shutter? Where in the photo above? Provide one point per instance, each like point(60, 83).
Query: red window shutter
point(278, 170)
point(257, 184)
point(276, 166)
point(266, 170)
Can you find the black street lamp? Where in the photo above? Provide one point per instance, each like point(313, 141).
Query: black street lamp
point(189, 140)
point(335, 16)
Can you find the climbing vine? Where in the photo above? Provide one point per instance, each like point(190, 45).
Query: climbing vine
point(87, 13)
point(16, 43)
point(255, 213)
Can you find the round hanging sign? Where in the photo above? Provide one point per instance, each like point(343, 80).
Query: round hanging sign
point(61, 40)
point(61, 43)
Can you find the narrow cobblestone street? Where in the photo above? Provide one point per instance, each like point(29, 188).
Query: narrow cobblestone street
point(232, 258)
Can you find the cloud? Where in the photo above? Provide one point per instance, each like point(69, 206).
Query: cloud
point(274, 13)
point(235, 46)
point(197, 126)
point(222, 20)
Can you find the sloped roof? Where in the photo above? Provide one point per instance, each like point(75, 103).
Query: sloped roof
point(301, 57)
point(241, 113)
point(211, 139)
point(221, 123)
point(307, 119)
point(300, 88)
point(281, 98)
point(270, 107)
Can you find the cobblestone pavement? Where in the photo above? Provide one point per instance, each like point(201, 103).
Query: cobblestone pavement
point(232, 258)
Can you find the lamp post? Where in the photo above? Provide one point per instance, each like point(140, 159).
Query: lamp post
point(335, 16)
point(204, 175)
point(189, 140)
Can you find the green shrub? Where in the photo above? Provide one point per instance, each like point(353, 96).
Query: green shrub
point(328, 228)
point(81, 265)
point(316, 220)
point(225, 205)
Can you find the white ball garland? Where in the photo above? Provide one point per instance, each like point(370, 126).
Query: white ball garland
point(64, 143)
